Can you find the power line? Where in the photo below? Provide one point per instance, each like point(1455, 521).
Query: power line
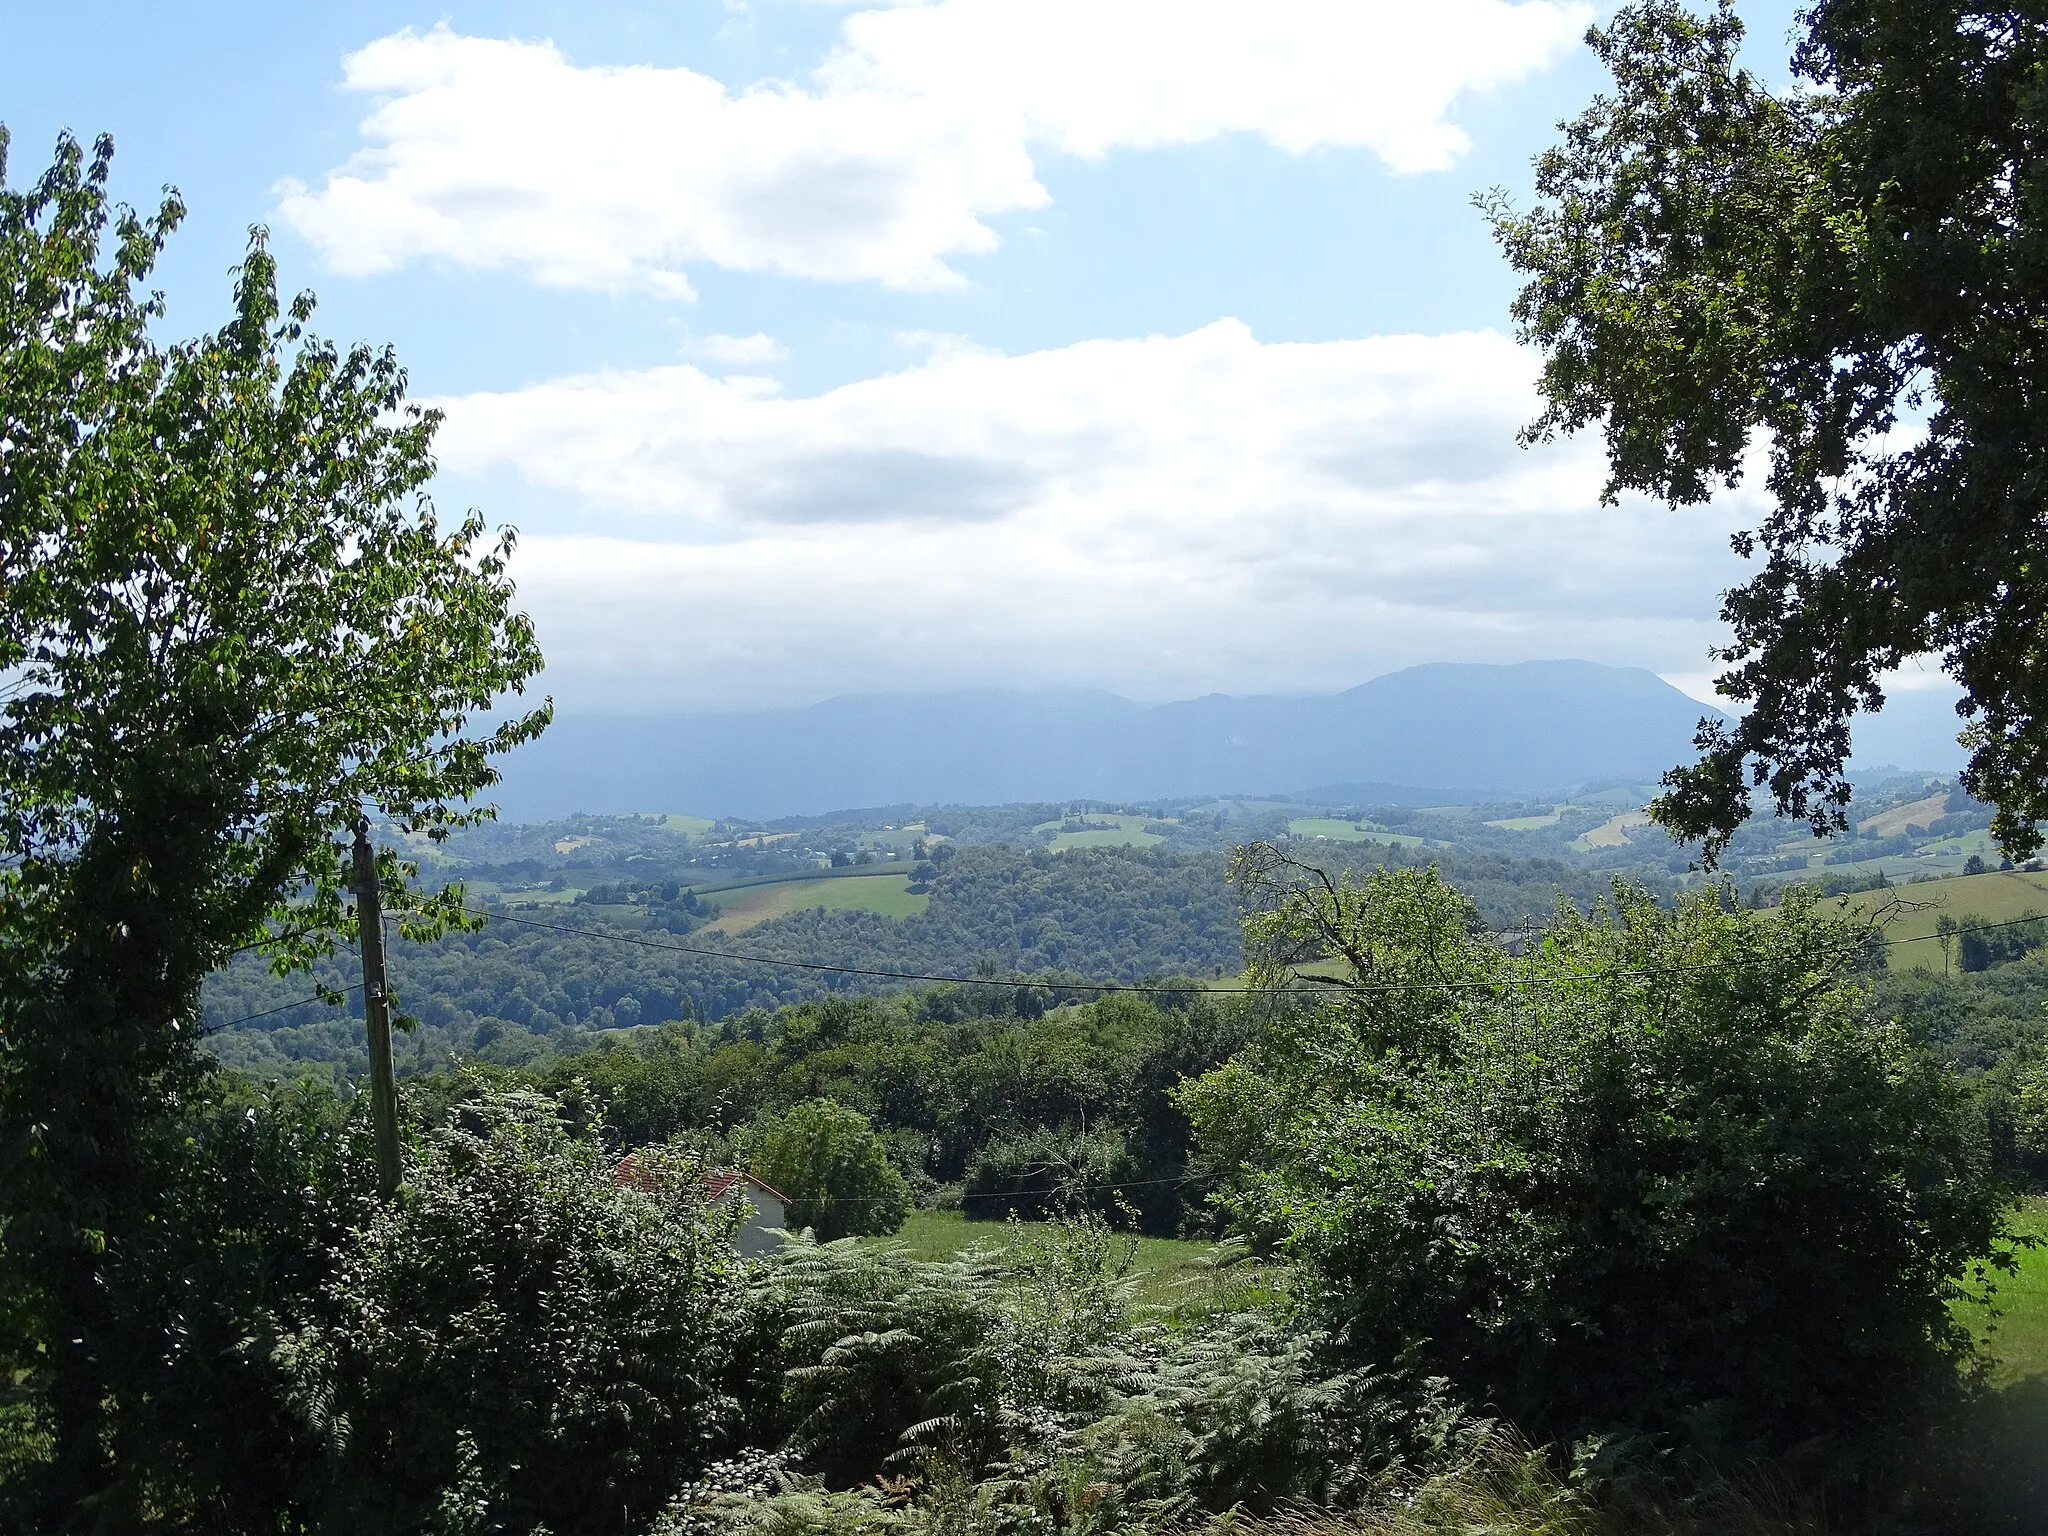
point(250, 1018)
point(1956, 933)
point(612, 936)
point(852, 970)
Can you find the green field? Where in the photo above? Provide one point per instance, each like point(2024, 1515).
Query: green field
point(1333, 830)
point(478, 890)
point(692, 827)
point(1917, 813)
point(1529, 823)
point(2018, 1340)
point(1910, 912)
point(1126, 832)
point(1171, 1270)
point(1612, 833)
point(750, 906)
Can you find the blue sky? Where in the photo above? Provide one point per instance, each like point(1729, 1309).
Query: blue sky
point(1151, 345)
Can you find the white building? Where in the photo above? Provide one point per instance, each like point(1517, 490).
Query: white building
point(767, 1213)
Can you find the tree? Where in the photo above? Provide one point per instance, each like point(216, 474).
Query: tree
point(232, 624)
point(1665, 1162)
point(527, 1334)
point(1846, 280)
point(832, 1168)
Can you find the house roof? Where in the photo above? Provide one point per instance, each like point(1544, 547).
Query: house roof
point(716, 1183)
point(720, 1182)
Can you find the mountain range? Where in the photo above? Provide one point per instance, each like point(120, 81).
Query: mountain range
point(1425, 734)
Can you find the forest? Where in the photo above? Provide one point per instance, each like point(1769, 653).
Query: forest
point(538, 977)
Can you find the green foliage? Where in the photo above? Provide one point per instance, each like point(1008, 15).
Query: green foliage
point(1713, 267)
point(885, 1354)
point(1049, 1171)
point(520, 1330)
point(262, 1196)
point(1254, 1415)
point(1668, 1169)
point(232, 623)
point(831, 1167)
point(513, 994)
point(1021, 1388)
point(2030, 1114)
point(940, 1075)
point(1980, 944)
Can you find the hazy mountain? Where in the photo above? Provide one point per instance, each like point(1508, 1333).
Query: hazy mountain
point(1429, 732)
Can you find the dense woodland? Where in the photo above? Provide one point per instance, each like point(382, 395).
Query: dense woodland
point(509, 990)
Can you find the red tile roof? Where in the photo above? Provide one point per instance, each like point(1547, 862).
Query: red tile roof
point(716, 1183)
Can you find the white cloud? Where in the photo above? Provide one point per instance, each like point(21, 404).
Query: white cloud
point(738, 350)
point(1158, 516)
point(919, 128)
point(1090, 76)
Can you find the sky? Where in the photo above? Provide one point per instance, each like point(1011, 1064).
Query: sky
point(814, 348)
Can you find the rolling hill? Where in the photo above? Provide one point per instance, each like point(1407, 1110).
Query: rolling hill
point(1421, 735)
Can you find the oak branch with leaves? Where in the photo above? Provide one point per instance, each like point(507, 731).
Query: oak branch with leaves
point(1846, 281)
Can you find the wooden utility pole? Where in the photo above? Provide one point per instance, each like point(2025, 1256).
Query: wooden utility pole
point(377, 1015)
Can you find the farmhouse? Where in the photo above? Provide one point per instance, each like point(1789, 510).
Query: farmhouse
point(766, 1209)
point(766, 1216)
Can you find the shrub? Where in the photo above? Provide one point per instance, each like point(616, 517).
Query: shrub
point(884, 1353)
point(521, 1335)
point(1046, 1172)
point(2030, 1113)
point(832, 1168)
point(1664, 1163)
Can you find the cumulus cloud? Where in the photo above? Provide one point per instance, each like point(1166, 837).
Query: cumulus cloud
point(890, 161)
point(738, 350)
point(1157, 516)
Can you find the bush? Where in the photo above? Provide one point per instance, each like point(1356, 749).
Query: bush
point(259, 1194)
point(886, 1354)
point(832, 1168)
point(2030, 1113)
point(518, 1335)
point(1982, 944)
point(1669, 1169)
point(1046, 1172)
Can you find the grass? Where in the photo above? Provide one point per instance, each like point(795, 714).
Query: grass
point(750, 906)
point(1126, 832)
point(1528, 823)
point(1995, 897)
point(2018, 1340)
point(1920, 813)
point(1613, 832)
point(1335, 831)
point(692, 827)
point(516, 895)
point(1170, 1269)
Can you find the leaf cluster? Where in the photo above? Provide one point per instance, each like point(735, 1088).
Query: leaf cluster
point(1841, 285)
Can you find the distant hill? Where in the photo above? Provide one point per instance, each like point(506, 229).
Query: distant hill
point(1427, 733)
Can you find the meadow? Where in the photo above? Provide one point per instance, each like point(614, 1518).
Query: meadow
point(1335, 830)
point(1613, 832)
point(1185, 1276)
point(1106, 829)
point(885, 894)
point(2016, 1334)
point(1909, 913)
